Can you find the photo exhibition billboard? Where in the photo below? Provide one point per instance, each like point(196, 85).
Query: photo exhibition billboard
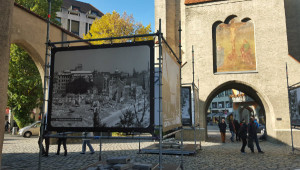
point(171, 106)
point(190, 106)
point(295, 106)
point(102, 88)
point(186, 107)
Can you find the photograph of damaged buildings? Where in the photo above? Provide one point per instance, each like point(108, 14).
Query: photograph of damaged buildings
point(101, 88)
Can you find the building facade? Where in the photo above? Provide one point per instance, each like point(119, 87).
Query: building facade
point(242, 45)
point(77, 17)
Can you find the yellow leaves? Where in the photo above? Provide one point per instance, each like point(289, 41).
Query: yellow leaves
point(115, 25)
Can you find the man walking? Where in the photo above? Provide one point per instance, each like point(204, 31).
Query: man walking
point(222, 127)
point(232, 130)
point(243, 135)
point(255, 135)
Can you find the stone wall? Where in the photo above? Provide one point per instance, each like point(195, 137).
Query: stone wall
point(268, 82)
point(6, 10)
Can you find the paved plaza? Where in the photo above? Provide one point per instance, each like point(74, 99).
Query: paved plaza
point(22, 153)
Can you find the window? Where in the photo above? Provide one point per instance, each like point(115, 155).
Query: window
point(94, 13)
point(87, 27)
point(75, 8)
point(214, 105)
point(221, 94)
point(75, 27)
point(220, 104)
point(228, 104)
point(68, 26)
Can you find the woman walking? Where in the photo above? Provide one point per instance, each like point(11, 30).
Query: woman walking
point(86, 141)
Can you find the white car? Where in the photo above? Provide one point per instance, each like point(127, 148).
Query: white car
point(33, 129)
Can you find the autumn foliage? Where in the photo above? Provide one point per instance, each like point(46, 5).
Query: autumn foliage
point(115, 25)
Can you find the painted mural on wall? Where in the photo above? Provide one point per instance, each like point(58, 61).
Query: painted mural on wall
point(235, 47)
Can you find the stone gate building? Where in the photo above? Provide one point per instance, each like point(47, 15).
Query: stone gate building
point(239, 44)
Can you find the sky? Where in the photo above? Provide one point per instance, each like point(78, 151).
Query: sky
point(142, 10)
point(105, 59)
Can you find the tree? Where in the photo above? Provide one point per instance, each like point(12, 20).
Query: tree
point(40, 7)
point(24, 85)
point(115, 25)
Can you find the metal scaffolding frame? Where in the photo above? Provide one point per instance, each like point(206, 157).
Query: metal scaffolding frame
point(290, 110)
point(50, 45)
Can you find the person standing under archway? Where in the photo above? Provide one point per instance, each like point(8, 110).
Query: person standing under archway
point(232, 129)
point(243, 135)
point(222, 127)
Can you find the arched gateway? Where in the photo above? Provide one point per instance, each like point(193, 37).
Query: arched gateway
point(241, 45)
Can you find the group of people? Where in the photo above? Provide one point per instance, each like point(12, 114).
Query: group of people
point(242, 131)
point(63, 140)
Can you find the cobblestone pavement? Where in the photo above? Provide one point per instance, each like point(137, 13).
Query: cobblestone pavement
point(22, 153)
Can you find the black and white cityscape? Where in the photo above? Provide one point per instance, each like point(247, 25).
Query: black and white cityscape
point(295, 106)
point(186, 105)
point(102, 88)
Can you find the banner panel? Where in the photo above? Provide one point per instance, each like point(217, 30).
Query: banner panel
point(102, 88)
point(196, 107)
point(171, 106)
point(186, 107)
point(295, 106)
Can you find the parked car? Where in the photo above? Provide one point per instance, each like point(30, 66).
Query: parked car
point(30, 130)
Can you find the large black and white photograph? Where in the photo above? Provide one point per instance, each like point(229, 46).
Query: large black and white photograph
point(105, 88)
point(295, 106)
point(186, 106)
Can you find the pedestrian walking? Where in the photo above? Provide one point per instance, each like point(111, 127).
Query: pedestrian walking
point(7, 125)
point(47, 142)
point(86, 141)
point(251, 133)
point(237, 129)
point(63, 140)
point(222, 127)
point(256, 125)
point(232, 130)
point(243, 135)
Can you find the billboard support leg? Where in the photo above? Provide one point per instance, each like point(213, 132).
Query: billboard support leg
point(100, 153)
point(193, 63)
point(139, 143)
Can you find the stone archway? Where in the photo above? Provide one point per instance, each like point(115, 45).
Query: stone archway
point(28, 30)
point(33, 53)
point(248, 89)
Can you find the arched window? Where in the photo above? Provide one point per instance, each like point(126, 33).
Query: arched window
point(234, 45)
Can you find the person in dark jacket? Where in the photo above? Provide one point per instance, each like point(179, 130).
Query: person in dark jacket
point(243, 135)
point(232, 130)
point(222, 127)
point(255, 135)
point(64, 141)
point(237, 128)
point(251, 134)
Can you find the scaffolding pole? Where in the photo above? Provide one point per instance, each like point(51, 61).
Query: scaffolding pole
point(103, 39)
point(180, 60)
point(45, 89)
point(289, 97)
point(160, 95)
